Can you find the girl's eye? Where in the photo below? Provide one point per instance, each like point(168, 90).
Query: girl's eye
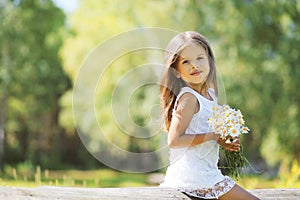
point(185, 61)
point(199, 58)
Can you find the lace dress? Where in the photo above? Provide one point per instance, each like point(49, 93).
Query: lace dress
point(194, 170)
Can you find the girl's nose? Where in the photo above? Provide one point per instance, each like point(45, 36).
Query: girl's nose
point(195, 66)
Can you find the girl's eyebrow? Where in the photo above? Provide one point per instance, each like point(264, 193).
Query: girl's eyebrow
point(183, 58)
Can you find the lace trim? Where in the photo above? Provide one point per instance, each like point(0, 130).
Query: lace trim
point(218, 190)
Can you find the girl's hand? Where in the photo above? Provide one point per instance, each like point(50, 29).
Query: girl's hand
point(234, 146)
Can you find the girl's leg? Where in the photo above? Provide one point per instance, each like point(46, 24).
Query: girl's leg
point(237, 193)
point(194, 198)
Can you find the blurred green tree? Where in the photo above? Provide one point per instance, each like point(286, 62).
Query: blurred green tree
point(256, 49)
point(32, 80)
point(255, 42)
point(259, 51)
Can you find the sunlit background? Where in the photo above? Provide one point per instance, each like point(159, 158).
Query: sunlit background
point(44, 43)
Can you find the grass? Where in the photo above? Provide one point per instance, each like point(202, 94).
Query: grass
point(73, 178)
point(289, 177)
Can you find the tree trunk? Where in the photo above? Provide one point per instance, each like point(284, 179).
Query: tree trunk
point(3, 107)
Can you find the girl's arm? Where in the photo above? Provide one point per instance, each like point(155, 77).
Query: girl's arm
point(187, 106)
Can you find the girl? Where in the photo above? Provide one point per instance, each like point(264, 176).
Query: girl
point(188, 90)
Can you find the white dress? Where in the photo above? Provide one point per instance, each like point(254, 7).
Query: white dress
point(194, 170)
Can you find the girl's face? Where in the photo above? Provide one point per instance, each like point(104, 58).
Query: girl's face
point(193, 66)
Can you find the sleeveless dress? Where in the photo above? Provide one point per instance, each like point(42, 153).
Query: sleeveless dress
point(194, 170)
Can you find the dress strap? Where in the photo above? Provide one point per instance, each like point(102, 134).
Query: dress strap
point(211, 92)
point(182, 91)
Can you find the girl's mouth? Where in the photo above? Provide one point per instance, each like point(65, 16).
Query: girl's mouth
point(196, 73)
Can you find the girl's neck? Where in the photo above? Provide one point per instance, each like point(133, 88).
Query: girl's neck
point(202, 90)
point(198, 88)
point(206, 95)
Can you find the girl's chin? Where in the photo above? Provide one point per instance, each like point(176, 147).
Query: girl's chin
point(195, 81)
point(195, 84)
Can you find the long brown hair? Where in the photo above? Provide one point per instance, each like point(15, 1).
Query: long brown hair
point(170, 85)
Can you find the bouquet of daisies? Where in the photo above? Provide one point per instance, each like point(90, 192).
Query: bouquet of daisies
point(229, 124)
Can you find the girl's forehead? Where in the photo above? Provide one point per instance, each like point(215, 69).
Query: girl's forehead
point(192, 48)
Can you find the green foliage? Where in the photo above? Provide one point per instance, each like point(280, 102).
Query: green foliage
point(257, 52)
point(31, 35)
point(257, 40)
point(261, 47)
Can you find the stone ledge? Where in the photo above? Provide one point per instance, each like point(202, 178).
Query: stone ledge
point(134, 193)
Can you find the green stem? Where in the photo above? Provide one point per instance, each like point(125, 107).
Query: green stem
point(235, 161)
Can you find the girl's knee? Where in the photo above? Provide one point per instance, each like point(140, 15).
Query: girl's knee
point(238, 192)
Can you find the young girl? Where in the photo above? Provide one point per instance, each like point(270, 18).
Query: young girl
point(188, 90)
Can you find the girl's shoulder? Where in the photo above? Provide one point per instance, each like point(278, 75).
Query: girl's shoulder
point(187, 101)
point(187, 95)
